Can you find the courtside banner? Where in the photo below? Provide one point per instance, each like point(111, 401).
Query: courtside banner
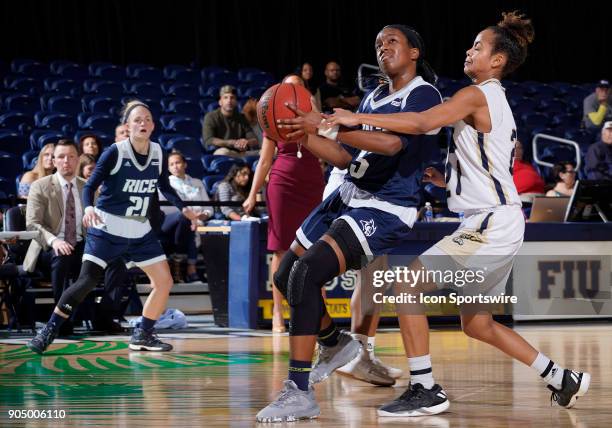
point(525, 286)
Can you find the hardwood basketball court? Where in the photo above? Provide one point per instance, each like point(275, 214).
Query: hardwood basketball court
point(221, 377)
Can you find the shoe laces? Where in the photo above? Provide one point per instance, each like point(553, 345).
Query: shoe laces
point(284, 396)
point(554, 396)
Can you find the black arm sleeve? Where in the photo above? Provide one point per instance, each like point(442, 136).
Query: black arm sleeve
point(104, 166)
point(164, 185)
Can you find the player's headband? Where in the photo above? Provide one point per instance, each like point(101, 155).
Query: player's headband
point(129, 110)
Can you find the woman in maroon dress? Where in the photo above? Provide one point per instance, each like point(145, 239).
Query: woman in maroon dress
point(294, 189)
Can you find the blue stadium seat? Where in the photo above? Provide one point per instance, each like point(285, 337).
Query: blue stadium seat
point(144, 90)
point(132, 69)
point(17, 63)
point(148, 74)
point(255, 92)
point(243, 73)
point(185, 125)
point(210, 181)
point(189, 76)
point(207, 161)
point(207, 71)
point(210, 90)
point(26, 85)
point(57, 66)
point(12, 142)
point(21, 102)
point(60, 121)
point(170, 71)
point(28, 159)
point(164, 139)
point(98, 122)
point(205, 102)
point(63, 86)
point(34, 69)
point(212, 106)
point(222, 166)
point(64, 104)
point(73, 71)
point(49, 135)
point(182, 90)
point(223, 77)
point(105, 88)
point(250, 160)
point(101, 104)
point(189, 147)
point(184, 107)
point(109, 72)
point(15, 120)
point(260, 78)
point(7, 186)
point(10, 166)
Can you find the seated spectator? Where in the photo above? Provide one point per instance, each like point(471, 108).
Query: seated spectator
point(44, 166)
point(306, 72)
point(250, 112)
point(526, 178)
point(565, 175)
point(598, 162)
point(87, 163)
point(332, 94)
point(235, 187)
point(121, 132)
point(228, 129)
point(176, 228)
point(597, 107)
point(90, 145)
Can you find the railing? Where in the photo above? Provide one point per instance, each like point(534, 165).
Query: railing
point(559, 140)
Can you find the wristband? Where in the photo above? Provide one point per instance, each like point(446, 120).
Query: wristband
point(329, 133)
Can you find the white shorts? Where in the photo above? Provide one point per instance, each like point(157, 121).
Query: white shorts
point(486, 240)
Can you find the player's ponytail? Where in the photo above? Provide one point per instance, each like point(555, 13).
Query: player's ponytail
point(513, 34)
point(416, 41)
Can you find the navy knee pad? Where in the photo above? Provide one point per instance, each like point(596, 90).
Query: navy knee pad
point(316, 267)
point(88, 279)
point(281, 276)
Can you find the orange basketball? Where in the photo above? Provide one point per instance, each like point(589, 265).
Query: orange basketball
point(271, 107)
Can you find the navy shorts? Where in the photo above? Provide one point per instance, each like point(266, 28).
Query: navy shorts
point(378, 230)
point(102, 248)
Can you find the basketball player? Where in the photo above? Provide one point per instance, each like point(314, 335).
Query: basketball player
point(369, 214)
point(478, 182)
point(130, 172)
point(366, 366)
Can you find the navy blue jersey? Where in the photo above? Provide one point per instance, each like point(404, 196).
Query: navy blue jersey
point(129, 180)
point(396, 179)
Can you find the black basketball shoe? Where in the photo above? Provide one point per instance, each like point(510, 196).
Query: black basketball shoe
point(143, 340)
point(42, 340)
point(417, 401)
point(574, 385)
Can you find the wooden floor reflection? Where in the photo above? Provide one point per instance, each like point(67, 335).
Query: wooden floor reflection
point(212, 380)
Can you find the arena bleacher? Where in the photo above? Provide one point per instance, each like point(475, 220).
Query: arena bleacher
point(40, 103)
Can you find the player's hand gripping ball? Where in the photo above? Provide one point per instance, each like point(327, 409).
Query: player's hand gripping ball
point(271, 107)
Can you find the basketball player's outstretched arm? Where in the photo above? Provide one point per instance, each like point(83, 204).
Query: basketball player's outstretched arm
point(466, 103)
point(375, 142)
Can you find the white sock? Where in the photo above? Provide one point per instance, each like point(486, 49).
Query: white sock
point(362, 338)
point(420, 371)
point(551, 372)
point(371, 345)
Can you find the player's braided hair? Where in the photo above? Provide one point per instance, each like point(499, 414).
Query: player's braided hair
point(416, 41)
point(513, 34)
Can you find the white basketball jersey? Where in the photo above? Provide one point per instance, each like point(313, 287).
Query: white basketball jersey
point(479, 165)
